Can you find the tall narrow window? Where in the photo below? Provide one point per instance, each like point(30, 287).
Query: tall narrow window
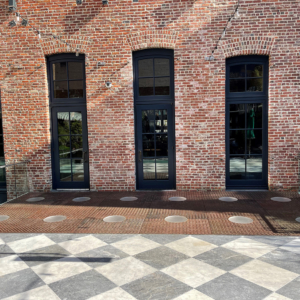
point(246, 121)
point(69, 124)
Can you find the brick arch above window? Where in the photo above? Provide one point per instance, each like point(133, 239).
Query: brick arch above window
point(248, 45)
point(149, 39)
point(55, 46)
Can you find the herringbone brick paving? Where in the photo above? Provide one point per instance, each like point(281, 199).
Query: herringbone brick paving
point(205, 213)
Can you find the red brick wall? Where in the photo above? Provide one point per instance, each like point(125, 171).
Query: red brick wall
point(110, 34)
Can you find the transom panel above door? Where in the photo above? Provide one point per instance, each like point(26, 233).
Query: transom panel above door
point(154, 119)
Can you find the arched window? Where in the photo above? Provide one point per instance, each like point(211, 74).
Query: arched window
point(246, 122)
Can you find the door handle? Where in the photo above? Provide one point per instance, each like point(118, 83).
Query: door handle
point(85, 156)
point(140, 156)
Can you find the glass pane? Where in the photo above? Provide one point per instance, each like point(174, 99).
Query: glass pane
point(254, 141)
point(162, 86)
point(254, 115)
point(158, 123)
point(161, 145)
point(148, 145)
point(1, 127)
point(60, 71)
point(237, 141)
point(162, 169)
point(76, 123)
point(237, 116)
point(165, 120)
point(2, 171)
point(64, 146)
point(149, 169)
point(75, 70)
point(65, 169)
point(237, 85)
point(146, 67)
point(254, 167)
point(162, 66)
point(148, 121)
point(78, 170)
point(146, 86)
point(237, 167)
point(63, 123)
point(60, 89)
point(77, 148)
point(255, 85)
point(76, 89)
point(237, 71)
point(254, 70)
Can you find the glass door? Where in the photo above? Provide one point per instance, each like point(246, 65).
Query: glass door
point(70, 157)
point(155, 147)
point(246, 145)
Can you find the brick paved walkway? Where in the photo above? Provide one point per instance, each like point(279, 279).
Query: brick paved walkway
point(205, 213)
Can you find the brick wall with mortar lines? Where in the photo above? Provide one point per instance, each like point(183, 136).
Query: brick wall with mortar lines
point(110, 34)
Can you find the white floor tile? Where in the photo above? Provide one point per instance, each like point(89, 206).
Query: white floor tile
point(125, 270)
point(114, 294)
point(249, 247)
point(193, 272)
point(43, 292)
point(135, 245)
point(275, 296)
point(264, 274)
point(11, 264)
point(293, 246)
point(60, 269)
point(191, 246)
point(193, 295)
point(82, 244)
point(30, 244)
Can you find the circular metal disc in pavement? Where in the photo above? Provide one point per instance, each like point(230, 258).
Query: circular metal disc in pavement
point(128, 198)
point(228, 199)
point(281, 199)
point(35, 199)
point(177, 199)
point(240, 220)
point(114, 219)
point(53, 219)
point(298, 219)
point(81, 199)
point(176, 219)
point(3, 217)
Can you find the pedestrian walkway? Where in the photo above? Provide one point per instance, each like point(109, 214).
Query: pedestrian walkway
point(145, 267)
point(148, 213)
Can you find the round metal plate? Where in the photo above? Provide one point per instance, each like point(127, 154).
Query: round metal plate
point(81, 199)
point(228, 199)
point(53, 219)
point(240, 220)
point(36, 199)
point(298, 219)
point(281, 199)
point(177, 199)
point(128, 198)
point(3, 218)
point(176, 219)
point(114, 219)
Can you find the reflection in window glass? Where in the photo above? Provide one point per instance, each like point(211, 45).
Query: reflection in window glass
point(63, 123)
point(2, 171)
point(237, 167)
point(76, 122)
point(254, 70)
point(60, 89)
point(64, 146)
point(78, 170)
point(148, 121)
point(237, 141)
point(237, 71)
point(60, 71)
point(162, 86)
point(146, 67)
point(149, 169)
point(255, 85)
point(254, 167)
point(75, 70)
point(146, 86)
point(148, 145)
point(237, 85)
point(254, 115)
point(76, 89)
point(65, 170)
point(237, 116)
point(162, 67)
point(162, 169)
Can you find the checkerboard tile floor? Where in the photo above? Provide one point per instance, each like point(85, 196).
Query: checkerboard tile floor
point(179, 267)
